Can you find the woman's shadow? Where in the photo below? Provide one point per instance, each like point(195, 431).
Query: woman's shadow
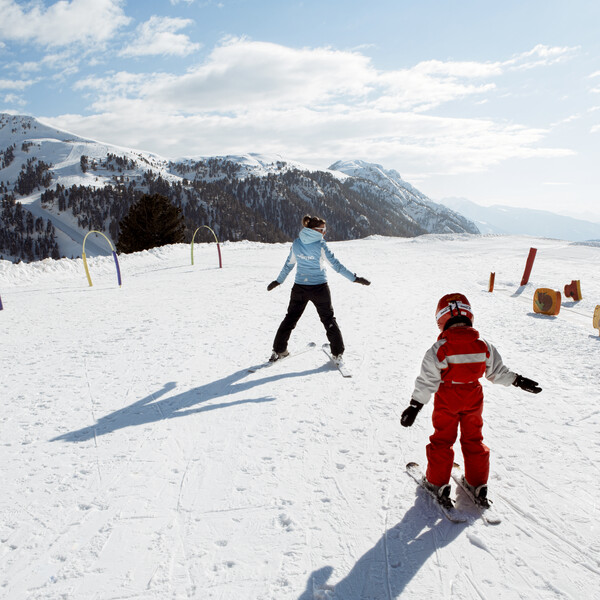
point(387, 568)
point(150, 409)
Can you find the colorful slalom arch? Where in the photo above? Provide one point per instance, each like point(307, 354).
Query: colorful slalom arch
point(87, 271)
point(216, 240)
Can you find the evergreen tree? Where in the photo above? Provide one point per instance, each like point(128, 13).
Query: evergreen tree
point(152, 221)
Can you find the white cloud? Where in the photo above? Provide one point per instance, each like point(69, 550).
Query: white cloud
point(466, 69)
point(62, 23)
point(241, 74)
point(14, 99)
point(417, 90)
point(158, 36)
point(118, 85)
point(11, 84)
point(57, 65)
point(312, 104)
point(541, 56)
point(27, 67)
point(566, 120)
point(595, 129)
point(421, 144)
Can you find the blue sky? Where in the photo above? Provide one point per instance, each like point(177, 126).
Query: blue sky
point(495, 102)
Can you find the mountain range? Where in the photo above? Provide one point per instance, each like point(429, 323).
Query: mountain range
point(56, 186)
point(524, 221)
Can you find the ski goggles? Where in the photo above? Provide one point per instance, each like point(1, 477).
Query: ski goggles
point(455, 305)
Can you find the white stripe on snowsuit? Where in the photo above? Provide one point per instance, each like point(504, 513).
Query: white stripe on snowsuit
point(430, 377)
point(461, 359)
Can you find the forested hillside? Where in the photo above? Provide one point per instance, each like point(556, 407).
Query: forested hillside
point(53, 180)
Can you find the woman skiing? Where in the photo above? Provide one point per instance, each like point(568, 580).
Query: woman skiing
point(451, 370)
point(308, 253)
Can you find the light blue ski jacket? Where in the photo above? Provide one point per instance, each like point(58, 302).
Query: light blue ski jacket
point(309, 251)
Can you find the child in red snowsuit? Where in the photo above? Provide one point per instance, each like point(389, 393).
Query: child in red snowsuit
point(451, 370)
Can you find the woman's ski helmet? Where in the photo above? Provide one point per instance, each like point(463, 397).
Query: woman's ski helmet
point(451, 309)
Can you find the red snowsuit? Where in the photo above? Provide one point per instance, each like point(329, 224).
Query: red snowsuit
point(451, 370)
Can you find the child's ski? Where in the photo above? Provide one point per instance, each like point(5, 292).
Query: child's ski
point(341, 367)
point(414, 470)
point(269, 363)
point(488, 514)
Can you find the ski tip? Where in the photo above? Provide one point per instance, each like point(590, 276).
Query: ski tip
point(411, 465)
point(312, 344)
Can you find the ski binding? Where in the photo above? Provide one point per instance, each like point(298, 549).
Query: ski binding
point(414, 470)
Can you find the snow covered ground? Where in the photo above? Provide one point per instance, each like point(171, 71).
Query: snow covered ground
point(141, 460)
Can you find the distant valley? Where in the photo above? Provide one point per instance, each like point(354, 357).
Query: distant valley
point(524, 221)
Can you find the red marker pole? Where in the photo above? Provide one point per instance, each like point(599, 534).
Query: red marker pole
point(528, 266)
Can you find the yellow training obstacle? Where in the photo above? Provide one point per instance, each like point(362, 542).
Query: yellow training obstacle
point(87, 271)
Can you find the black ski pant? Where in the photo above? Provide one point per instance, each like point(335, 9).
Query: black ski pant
point(320, 296)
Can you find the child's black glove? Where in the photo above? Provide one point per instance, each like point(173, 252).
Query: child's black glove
point(272, 285)
point(362, 281)
point(410, 414)
point(527, 384)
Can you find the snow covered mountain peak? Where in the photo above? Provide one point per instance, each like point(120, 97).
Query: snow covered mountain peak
point(367, 170)
point(19, 128)
point(259, 164)
point(388, 179)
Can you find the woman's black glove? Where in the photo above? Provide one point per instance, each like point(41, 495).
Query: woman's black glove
point(362, 281)
point(410, 414)
point(527, 384)
point(272, 285)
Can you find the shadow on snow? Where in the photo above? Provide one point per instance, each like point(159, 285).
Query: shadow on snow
point(385, 570)
point(150, 409)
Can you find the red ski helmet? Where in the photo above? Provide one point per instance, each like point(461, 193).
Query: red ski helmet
point(453, 308)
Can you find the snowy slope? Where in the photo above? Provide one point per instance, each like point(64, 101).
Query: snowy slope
point(140, 458)
point(63, 151)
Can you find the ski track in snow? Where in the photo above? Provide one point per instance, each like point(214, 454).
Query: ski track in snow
point(145, 462)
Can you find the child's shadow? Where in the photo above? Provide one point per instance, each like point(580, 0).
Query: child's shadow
point(150, 409)
point(387, 568)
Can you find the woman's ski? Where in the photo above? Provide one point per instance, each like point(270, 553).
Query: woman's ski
point(338, 362)
point(270, 363)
